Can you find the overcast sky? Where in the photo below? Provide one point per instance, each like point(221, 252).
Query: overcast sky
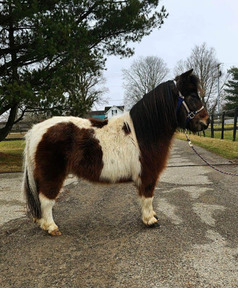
point(190, 23)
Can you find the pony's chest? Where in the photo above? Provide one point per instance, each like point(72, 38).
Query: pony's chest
point(121, 156)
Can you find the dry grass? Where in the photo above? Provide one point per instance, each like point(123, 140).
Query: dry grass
point(16, 135)
point(225, 148)
point(11, 155)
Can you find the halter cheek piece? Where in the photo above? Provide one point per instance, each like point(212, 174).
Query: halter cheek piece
point(191, 114)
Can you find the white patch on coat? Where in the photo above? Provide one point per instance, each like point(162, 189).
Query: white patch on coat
point(121, 154)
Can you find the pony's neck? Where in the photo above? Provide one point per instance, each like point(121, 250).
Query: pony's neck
point(154, 116)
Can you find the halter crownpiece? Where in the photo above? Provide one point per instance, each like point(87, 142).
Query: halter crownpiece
point(181, 100)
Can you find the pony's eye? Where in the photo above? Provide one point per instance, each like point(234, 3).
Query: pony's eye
point(194, 95)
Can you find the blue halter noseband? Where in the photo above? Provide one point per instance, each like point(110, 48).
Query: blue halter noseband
point(191, 114)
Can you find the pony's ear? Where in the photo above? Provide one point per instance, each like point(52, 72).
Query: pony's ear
point(184, 75)
point(187, 74)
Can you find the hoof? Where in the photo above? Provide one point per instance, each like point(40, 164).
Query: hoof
point(55, 232)
point(153, 221)
point(154, 225)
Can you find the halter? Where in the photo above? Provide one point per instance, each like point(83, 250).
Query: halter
point(181, 100)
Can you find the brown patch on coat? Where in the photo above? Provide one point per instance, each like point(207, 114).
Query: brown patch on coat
point(153, 163)
point(203, 115)
point(126, 128)
point(65, 149)
point(98, 123)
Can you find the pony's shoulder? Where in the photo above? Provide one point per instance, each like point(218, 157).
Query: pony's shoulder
point(119, 118)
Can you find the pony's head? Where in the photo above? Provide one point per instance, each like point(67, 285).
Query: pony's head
point(191, 113)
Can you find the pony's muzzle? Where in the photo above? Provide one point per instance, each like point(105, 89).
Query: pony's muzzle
point(204, 123)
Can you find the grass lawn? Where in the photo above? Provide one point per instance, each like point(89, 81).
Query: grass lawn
point(11, 151)
point(228, 134)
point(16, 135)
point(11, 155)
point(225, 148)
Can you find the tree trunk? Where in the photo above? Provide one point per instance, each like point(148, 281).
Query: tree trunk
point(15, 77)
point(10, 122)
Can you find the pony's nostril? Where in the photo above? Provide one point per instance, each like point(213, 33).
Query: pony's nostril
point(204, 125)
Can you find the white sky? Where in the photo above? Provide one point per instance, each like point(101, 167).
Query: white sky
point(190, 23)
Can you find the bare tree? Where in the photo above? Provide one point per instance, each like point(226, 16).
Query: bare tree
point(87, 91)
point(206, 66)
point(144, 75)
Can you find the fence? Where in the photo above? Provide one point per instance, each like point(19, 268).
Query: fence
point(225, 121)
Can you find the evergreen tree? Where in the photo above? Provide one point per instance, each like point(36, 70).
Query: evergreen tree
point(232, 90)
point(44, 44)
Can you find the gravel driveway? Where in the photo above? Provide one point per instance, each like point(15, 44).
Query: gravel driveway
point(105, 243)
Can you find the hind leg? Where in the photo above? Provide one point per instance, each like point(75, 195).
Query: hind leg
point(46, 222)
point(49, 190)
point(50, 172)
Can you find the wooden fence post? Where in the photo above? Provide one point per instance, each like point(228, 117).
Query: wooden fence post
point(235, 124)
point(222, 125)
point(212, 126)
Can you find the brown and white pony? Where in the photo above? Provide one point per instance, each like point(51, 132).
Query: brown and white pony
point(132, 147)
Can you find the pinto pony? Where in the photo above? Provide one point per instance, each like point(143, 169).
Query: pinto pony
point(132, 147)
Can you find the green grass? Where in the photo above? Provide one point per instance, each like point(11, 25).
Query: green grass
point(11, 151)
point(11, 155)
point(228, 135)
point(225, 148)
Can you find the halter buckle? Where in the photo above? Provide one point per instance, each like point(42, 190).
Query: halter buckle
point(191, 115)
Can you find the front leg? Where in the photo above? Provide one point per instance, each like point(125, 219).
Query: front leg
point(148, 214)
point(146, 192)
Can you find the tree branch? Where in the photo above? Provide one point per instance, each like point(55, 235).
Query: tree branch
point(21, 117)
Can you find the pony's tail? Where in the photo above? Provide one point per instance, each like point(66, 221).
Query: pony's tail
point(29, 185)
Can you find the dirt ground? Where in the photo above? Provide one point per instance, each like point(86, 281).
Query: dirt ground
point(105, 244)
